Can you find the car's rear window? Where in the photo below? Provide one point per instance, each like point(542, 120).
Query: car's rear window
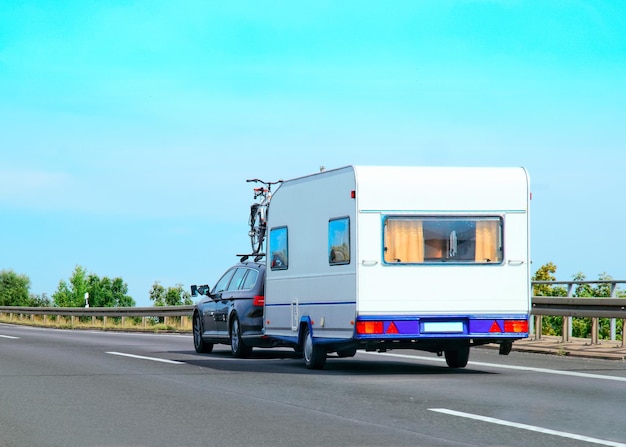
point(250, 280)
point(237, 281)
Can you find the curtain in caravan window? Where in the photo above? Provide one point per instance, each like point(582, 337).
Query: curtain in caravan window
point(404, 241)
point(487, 241)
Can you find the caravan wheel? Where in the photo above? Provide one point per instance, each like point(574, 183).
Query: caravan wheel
point(458, 357)
point(314, 354)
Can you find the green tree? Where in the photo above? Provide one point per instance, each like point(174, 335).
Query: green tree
point(581, 327)
point(103, 292)
point(40, 301)
point(72, 294)
point(550, 325)
point(14, 289)
point(172, 296)
point(546, 273)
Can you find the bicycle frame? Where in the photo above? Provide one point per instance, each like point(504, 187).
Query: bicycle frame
point(258, 214)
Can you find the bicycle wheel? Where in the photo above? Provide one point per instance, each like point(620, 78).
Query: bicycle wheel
point(254, 208)
point(256, 238)
point(257, 229)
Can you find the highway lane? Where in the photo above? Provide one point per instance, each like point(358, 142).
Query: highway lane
point(78, 388)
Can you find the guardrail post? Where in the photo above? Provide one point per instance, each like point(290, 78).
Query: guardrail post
point(594, 331)
point(539, 327)
point(570, 293)
point(565, 331)
point(613, 321)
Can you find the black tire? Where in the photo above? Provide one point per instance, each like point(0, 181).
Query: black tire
point(237, 346)
point(257, 229)
point(314, 355)
point(253, 215)
point(256, 238)
point(202, 347)
point(458, 357)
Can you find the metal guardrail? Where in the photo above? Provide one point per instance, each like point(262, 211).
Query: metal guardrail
point(567, 307)
point(570, 306)
point(579, 307)
point(99, 312)
point(155, 311)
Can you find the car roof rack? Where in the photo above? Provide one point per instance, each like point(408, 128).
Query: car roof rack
point(257, 257)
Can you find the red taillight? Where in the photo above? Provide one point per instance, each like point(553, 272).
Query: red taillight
point(369, 327)
point(258, 300)
point(515, 326)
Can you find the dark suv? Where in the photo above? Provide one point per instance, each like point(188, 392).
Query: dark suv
point(232, 311)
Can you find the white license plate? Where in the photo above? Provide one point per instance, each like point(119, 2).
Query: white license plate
point(442, 327)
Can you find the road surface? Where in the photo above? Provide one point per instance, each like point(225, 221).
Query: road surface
point(89, 388)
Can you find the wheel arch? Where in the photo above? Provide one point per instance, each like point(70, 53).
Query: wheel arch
point(305, 322)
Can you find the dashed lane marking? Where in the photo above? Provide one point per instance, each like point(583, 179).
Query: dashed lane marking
point(141, 357)
point(534, 428)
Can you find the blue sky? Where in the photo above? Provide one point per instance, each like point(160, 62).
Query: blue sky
point(128, 128)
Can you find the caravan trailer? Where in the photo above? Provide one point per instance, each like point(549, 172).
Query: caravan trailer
point(379, 257)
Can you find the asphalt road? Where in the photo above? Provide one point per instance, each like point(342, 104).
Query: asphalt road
point(79, 388)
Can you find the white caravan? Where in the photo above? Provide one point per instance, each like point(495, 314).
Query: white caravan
point(381, 257)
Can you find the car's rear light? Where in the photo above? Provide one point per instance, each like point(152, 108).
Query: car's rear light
point(258, 300)
point(369, 327)
point(516, 326)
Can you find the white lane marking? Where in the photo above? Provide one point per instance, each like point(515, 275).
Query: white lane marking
point(534, 428)
point(514, 367)
point(9, 337)
point(154, 359)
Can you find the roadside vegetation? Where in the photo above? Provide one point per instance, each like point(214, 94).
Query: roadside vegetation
point(142, 324)
point(581, 327)
point(84, 288)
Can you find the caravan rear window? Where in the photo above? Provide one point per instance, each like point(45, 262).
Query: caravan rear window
point(419, 240)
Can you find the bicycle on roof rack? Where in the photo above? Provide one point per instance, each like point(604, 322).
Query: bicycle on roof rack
point(258, 215)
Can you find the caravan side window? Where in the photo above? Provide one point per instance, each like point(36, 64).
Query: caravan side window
point(466, 240)
point(339, 241)
point(279, 253)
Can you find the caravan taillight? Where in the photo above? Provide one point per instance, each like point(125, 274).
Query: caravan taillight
point(258, 300)
point(515, 326)
point(369, 327)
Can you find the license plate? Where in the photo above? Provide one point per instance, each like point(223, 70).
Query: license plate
point(442, 327)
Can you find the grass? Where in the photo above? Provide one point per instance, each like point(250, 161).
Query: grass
point(139, 324)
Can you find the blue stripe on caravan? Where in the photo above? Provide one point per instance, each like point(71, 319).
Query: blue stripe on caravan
point(300, 303)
